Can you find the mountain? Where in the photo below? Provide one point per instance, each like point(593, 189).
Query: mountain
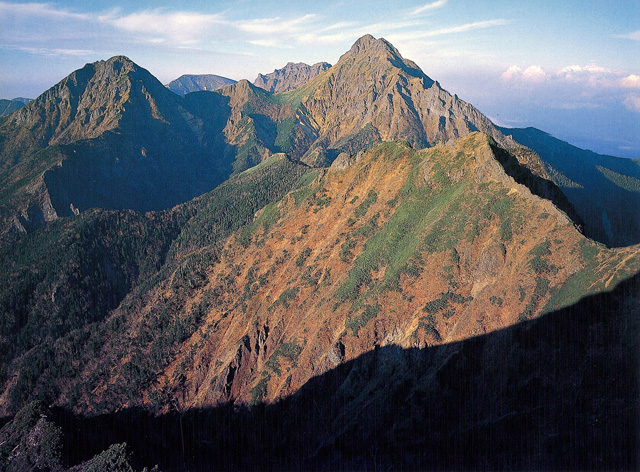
point(289, 77)
point(430, 280)
point(110, 136)
point(196, 83)
point(380, 278)
point(9, 106)
point(394, 246)
point(604, 190)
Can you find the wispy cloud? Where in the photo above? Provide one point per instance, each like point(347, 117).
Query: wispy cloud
point(429, 7)
point(51, 52)
point(275, 25)
point(417, 34)
point(635, 35)
point(178, 26)
point(46, 10)
point(270, 43)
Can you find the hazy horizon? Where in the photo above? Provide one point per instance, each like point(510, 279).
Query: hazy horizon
point(570, 69)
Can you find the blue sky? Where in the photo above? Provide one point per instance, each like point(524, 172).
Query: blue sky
point(571, 68)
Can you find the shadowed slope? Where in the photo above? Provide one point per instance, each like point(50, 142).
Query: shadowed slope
point(605, 190)
point(556, 393)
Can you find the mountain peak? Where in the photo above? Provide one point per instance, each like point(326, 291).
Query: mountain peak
point(369, 44)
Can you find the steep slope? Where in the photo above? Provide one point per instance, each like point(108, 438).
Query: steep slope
point(605, 190)
point(373, 94)
point(390, 247)
point(67, 277)
point(109, 135)
point(560, 392)
point(289, 77)
point(196, 83)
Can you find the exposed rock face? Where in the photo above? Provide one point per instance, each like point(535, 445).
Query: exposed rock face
point(197, 83)
point(289, 77)
point(372, 84)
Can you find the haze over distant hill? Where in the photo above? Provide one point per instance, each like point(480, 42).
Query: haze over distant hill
point(605, 190)
point(9, 106)
point(196, 83)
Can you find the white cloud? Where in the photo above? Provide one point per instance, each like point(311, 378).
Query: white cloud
point(635, 35)
point(38, 10)
point(630, 81)
point(182, 27)
point(513, 72)
point(531, 75)
point(340, 25)
point(463, 28)
point(275, 25)
point(632, 102)
point(429, 6)
point(52, 52)
point(270, 43)
point(535, 74)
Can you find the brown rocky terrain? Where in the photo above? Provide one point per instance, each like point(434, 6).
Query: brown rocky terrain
point(289, 77)
point(391, 247)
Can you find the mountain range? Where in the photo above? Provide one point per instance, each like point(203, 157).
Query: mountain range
point(335, 267)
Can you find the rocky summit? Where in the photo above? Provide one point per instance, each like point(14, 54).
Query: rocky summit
point(357, 270)
point(289, 77)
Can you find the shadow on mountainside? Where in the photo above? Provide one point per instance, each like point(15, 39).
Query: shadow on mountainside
point(537, 185)
point(558, 392)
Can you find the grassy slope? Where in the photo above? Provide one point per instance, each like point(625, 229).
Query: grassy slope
point(101, 257)
point(404, 247)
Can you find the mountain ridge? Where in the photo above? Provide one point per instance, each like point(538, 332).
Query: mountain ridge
point(289, 77)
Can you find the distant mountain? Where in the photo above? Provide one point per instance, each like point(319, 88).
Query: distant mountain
point(109, 135)
point(9, 106)
point(605, 190)
point(197, 83)
point(289, 77)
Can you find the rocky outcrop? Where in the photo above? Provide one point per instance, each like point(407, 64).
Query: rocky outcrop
point(289, 77)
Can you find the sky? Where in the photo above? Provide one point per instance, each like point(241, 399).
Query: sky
point(571, 68)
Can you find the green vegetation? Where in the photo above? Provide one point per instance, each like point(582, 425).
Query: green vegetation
point(361, 209)
point(625, 182)
point(441, 303)
point(401, 238)
point(304, 255)
point(345, 250)
point(286, 297)
point(260, 390)
point(101, 256)
point(355, 323)
point(288, 350)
